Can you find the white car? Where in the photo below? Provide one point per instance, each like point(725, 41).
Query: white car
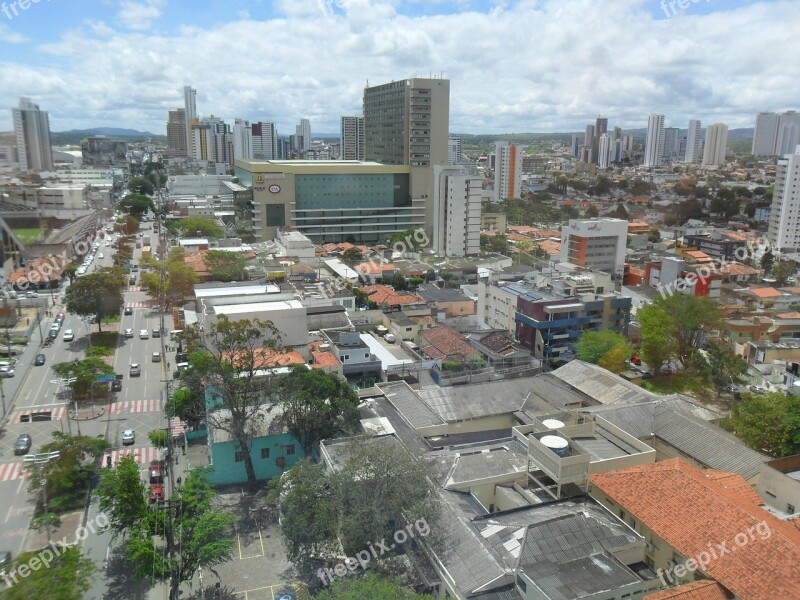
point(6, 372)
point(100, 255)
point(144, 334)
point(128, 437)
point(129, 333)
point(69, 335)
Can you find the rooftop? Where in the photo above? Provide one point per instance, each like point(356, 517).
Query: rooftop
point(697, 590)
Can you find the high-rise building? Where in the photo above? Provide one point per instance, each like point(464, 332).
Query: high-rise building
point(242, 139)
point(588, 144)
point(176, 132)
point(672, 142)
point(507, 171)
point(352, 138)
point(407, 123)
point(453, 150)
point(32, 129)
point(716, 145)
point(617, 133)
point(784, 218)
point(788, 133)
point(265, 141)
point(190, 111)
point(600, 126)
point(212, 140)
point(303, 132)
point(765, 134)
point(575, 145)
point(654, 144)
point(456, 211)
point(605, 151)
point(694, 142)
point(598, 244)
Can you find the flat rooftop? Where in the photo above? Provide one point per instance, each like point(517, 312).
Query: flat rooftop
point(255, 307)
point(243, 290)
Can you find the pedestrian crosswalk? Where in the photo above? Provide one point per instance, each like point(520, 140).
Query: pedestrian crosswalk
point(143, 456)
point(140, 304)
point(40, 414)
point(12, 471)
point(134, 288)
point(134, 406)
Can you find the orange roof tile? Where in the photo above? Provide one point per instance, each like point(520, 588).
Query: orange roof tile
point(756, 555)
point(789, 315)
point(765, 292)
point(266, 358)
point(737, 268)
point(446, 343)
point(550, 246)
point(697, 590)
point(324, 359)
point(39, 270)
point(381, 294)
point(373, 268)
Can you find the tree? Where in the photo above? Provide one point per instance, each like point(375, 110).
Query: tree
point(127, 225)
point(592, 212)
point(141, 185)
point(97, 294)
point(197, 226)
point(676, 326)
point(159, 438)
point(767, 260)
point(121, 493)
point(363, 301)
point(224, 266)
point(84, 372)
point(70, 271)
point(137, 204)
point(782, 270)
point(352, 256)
point(654, 235)
point(769, 423)
point(316, 406)
point(368, 587)
point(67, 577)
point(723, 367)
point(606, 348)
point(229, 360)
point(398, 282)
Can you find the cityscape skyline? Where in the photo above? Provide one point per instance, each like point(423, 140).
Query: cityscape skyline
point(153, 48)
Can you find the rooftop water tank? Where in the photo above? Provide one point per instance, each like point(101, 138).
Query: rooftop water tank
point(557, 444)
point(553, 424)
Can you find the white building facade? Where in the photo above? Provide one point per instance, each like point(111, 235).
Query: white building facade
point(456, 211)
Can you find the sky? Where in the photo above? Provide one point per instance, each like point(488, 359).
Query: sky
point(514, 65)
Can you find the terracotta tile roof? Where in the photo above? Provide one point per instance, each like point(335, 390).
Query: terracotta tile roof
point(381, 294)
point(697, 255)
point(322, 358)
point(550, 246)
point(765, 292)
point(694, 510)
point(736, 268)
point(636, 271)
point(789, 315)
point(499, 343)
point(372, 268)
point(792, 290)
point(445, 343)
point(266, 358)
point(424, 320)
point(196, 261)
point(517, 237)
point(697, 590)
point(39, 270)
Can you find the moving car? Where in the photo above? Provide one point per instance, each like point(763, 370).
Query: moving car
point(144, 334)
point(136, 370)
point(156, 333)
point(23, 444)
point(129, 333)
point(116, 385)
point(128, 437)
point(156, 356)
point(156, 492)
point(6, 371)
point(69, 335)
point(156, 472)
point(39, 360)
point(128, 310)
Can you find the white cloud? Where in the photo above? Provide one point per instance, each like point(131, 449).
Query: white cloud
point(11, 37)
point(140, 15)
point(537, 65)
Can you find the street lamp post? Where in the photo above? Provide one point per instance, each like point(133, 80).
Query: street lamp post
point(43, 459)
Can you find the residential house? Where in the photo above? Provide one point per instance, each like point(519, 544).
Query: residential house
point(500, 350)
point(779, 487)
point(451, 302)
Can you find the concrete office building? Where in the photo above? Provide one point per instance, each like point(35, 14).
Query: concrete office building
point(575, 145)
point(8, 159)
point(716, 145)
point(784, 223)
point(265, 141)
point(352, 132)
point(407, 123)
point(672, 142)
point(454, 150)
point(654, 144)
point(97, 151)
point(588, 155)
point(605, 151)
point(694, 142)
point(242, 139)
point(303, 133)
point(507, 171)
point(765, 134)
point(32, 130)
point(331, 201)
point(598, 244)
point(788, 136)
point(456, 211)
point(176, 132)
point(190, 112)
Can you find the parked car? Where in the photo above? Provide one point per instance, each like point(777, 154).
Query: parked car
point(60, 317)
point(55, 326)
point(69, 335)
point(53, 334)
point(39, 360)
point(129, 333)
point(156, 492)
point(100, 255)
point(136, 370)
point(128, 437)
point(23, 444)
point(6, 371)
point(156, 472)
point(156, 356)
point(144, 334)
point(128, 310)
point(32, 295)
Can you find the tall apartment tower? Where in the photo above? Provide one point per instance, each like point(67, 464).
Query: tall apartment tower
point(765, 134)
point(788, 133)
point(605, 151)
point(303, 133)
point(242, 139)
point(265, 141)
point(32, 129)
point(672, 142)
point(784, 220)
point(507, 171)
point(353, 138)
point(588, 144)
point(407, 122)
point(456, 211)
point(694, 142)
point(176, 132)
point(453, 150)
point(716, 145)
point(600, 127)
point(190, 110)
point(575, 145)
point(654, 144)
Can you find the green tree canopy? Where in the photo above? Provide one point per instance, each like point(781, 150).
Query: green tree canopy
point(68, 576)
point(606, 348)
point(137, 204)
point(121, 492)
point(194, 226)
point(368, 587)
point(769, 423)
point(352, 256)
point(141, 185)
point(722, 367)
point(223, 265)
point(96, 294)
point(85, 372)
point(127, 225)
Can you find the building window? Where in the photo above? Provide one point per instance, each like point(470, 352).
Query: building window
point(289, 449)
point(265, 453)
point(790, 509)
point(521, 584)
point(239, 456)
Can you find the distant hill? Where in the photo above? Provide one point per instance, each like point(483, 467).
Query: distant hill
point(74, 136)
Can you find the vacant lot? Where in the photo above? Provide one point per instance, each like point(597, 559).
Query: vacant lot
point(28, 235)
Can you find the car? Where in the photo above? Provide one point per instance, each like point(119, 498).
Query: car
point(144, 334)
point(60, 317)
point(5, 561)
point(128, 310)
point(156, 333)
point(23, 444)
point(53, 334)
point(128, 333)
point(156, 472)
point(6, 371)
point(156, 356)
point(100, 255)
point(156, 492)
point(116, 385)
point(161, 464)
point(69, 335)
point(136, 370)
point(128, 437)
point(55, 326)
point(39, 360)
